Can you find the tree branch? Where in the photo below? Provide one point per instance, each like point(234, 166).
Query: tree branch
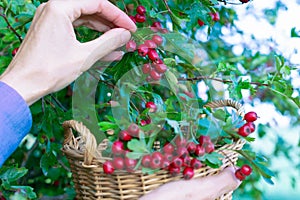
point(11, 28)
point(217, 79)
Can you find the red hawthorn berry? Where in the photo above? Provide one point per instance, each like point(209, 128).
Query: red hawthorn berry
point(250, 116)
point(124, 135)
point(174, 171)
point(180, 142)
point(246, 170)
point(150, 44)
point(130, 163)
point(158, 61)
point(244, 130)
point(146, 68)
point(156, 26)
point(148, 121)
point(52, 139)
point(143, 122)
point(151, 105)
point(215, 16)
point(244, 1)
point(251, 126)
point(153, 55)
point(169, 148)
point(14, 52)
point(157, 39)
point(191, 147)
point(164, 30)
point(177, 162)
point(200, 22)
point(149, 78)
point(132, 18)
point(196, 164)
point(141, 10)
point(56, 183)
point(168, 156)
point(131, 46)
point(118, 163)
point(209, 148)
point(188, 173)
point(146, 160)
point(155, 75)
point(186, 161)
point(182, 152)
point(117, 148)
point(200, 150)
point(160, 68)
point(143, 50)
point(204, 139)
point(134, 130)
point(165, 164)
point(156, 160)
point(108, 167)
point(239, 175)
point(140, 18)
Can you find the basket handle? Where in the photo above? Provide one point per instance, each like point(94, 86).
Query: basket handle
point(227, 102)
point(88, 139)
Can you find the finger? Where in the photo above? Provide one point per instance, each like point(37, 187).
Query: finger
point(74, 9)
point(93, 22)
point(104, 45)
point(113, 56)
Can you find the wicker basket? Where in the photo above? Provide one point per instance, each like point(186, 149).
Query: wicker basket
point(92, 184)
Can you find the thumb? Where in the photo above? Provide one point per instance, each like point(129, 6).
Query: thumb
point(104, 45)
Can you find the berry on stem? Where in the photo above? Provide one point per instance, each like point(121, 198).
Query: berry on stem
point(250, 116)
point(130, 163)
point(160, 68)
point(251, 126)
point(117, 148)
point(200, 22)
point(151, 105)
point(188, 173)
point(244, 130)
point(239, 175)
point(14, 52)
point(200, 150)
point(118, 163)
point(157, 39)
point(191, 147)
point(153, 55)
point(174, 171)
point(131, 46)
point(108, 167)
point(141, 10)
point(146, 68)
point(150, 44)
point(246, 170)
point(124, 135)
point(146, 160)
point(134, 130)
point(140, 18)
point(143, 50)
point(169, 148)
point(155, 75)
point(196, 164)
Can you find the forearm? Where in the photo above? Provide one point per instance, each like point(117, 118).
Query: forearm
point(15, 121)
point(207, 188)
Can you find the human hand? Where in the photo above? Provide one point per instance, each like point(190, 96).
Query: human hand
point(207, 188)
point(50, 56)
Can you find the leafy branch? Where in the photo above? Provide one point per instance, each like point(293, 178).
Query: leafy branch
point(11, 28)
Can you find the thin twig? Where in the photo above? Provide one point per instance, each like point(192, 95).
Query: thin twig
point(217, 79)
point(125, 7)
point(58, 103)
point(28, 153)
point(167, 6)
point(11, 28)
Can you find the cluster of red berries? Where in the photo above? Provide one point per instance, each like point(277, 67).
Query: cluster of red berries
point(156, 67)
point(175, 158)
point(152, 108)
point(249, 127)
point(214, 16)
point(244, 171)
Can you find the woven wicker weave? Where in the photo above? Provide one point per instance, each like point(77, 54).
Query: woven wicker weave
point(92, 184)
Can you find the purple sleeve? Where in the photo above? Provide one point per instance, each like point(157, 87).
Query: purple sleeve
point(15, 121)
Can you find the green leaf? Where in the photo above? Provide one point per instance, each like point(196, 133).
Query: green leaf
point(104, 126)
point(137, 146)
point(214, 159)
point(12, 174)
point(47, 161)
point(294, 33)
point(220, 114)
point(26, 191)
